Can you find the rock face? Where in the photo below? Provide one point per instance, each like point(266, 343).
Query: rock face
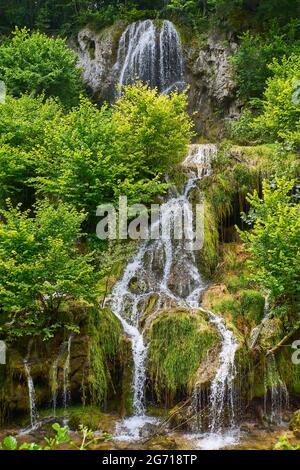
point(209, 73)
point(97, 53)
point(206, 66)
point(89, 368)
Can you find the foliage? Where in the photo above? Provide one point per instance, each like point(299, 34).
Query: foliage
point(41, 267)
point(279, 116)
point(274, 241)
point(61, 436)
point(284, 444)
point(38, 64)
point(178, 342)
point(92, 156)
point(255, 53)
point(23, 129)
point(281, 110)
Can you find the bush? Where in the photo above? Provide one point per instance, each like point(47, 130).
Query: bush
point(274, 242)
point(41, 268)
point(38, 64)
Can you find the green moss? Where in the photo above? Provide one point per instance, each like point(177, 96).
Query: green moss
point(105, 337)
point(179, 341)
point(252, 305)
point(89, 416)
point(289, 372)
point(209, 255)
point(271, 333)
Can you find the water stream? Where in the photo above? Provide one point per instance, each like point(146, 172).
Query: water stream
point(66, 375)
point(152, 54)
point(31, 395)
point(166, 272)
point(276, 398)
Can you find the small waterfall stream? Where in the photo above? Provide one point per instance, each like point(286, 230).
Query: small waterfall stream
point(62, 360)
point(276, 394)
point(151, 54)
point(276, 398)
point(66, 375)
point(31, 394)
point(166, 271)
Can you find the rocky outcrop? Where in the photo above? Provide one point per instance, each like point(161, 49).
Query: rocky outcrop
point(97, 53)
point(207, 71)
point(209, 74)
point(91, 368)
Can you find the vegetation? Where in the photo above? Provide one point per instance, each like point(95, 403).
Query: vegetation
point(41, 267)
point(60, 437)
point(274, 242)
point(62, 155)
point(179, 341)
point(37, 64)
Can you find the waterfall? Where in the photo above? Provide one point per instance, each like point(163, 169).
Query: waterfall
point(151, 54)
point(276, 397)
point(166, 271)
point(66, 375)
point(222, 398)
point(54, 375)
point(31, 395)
point(275, 391)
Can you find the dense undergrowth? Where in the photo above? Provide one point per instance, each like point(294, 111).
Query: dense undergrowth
point(61, 156)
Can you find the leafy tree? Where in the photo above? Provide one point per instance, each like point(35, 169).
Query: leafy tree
point(274, 241)
point(38, 64)
point(255, 53)
point(23, 127)
point(41, 268)
point(92, 156)
point(153, 129)
point(281, 104)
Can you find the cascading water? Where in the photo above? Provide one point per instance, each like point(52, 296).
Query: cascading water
point(165, 271)
point(62, 360)
point(31, 395)
point(276, 398)
point(276, 394)
point(151, 54)
point(66, 375)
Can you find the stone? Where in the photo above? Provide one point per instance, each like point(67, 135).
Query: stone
point(294, 424)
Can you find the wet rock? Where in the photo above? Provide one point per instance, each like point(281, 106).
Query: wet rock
point(294, 424)
point(97, 54)
point(208, 71)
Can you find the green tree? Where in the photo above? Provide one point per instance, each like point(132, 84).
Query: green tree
point(92, 156)
point(38, 64)
point(41, 268)
point(24, 123)
point(274, 241)
point(280, 116)
point(255, 53)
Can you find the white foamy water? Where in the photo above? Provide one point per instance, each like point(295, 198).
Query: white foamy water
point(152, 54)
point(216, 441)
point(164, 268)
point(31, 395)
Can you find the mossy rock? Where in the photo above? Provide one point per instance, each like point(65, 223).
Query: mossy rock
point(289, 372)
point(209, 254)
point(97, 367)
point(91, 417)
point(271, 333)
point(179, 342)
point(294, 424)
